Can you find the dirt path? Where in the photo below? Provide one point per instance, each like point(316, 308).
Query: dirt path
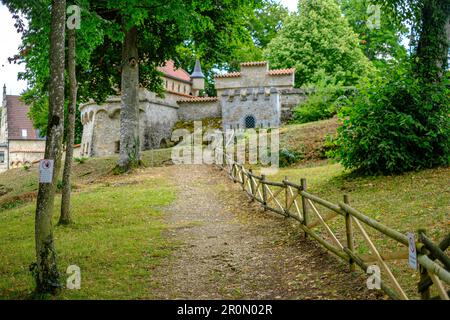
point(231, 249)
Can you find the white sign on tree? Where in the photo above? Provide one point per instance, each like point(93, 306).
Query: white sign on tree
point(46, 171)
point(412, 251)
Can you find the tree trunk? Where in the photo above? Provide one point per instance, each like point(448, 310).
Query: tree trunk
point(45, 268)
point(65, 217)
point(129, 114)
point(433, 45)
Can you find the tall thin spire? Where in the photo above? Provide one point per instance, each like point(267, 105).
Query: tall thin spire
point(197, 70)
point(4, 91)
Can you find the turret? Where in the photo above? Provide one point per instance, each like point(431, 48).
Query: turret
point(198, 79)
point(4, 92)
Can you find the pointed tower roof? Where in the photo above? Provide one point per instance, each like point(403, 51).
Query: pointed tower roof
point(197, 70)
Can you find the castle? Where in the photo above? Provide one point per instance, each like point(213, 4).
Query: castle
point(254, 97)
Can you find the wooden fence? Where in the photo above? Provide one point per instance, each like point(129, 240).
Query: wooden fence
point(294, 201)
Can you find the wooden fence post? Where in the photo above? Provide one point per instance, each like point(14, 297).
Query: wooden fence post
point(252, 186)
point(264, 191)
point(425, 294)
point(286, 197)
point(224, 153)
point(304, 205)
point(349, 232)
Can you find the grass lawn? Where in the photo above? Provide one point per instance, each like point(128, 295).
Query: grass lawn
point(18, 186)
point(116, 240)
point(406, 203)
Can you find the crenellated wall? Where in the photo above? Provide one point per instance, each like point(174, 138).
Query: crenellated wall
point(263, 104)
point(101, 124)
point(255, 96)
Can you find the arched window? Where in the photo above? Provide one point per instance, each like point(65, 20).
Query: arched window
point(250, 122)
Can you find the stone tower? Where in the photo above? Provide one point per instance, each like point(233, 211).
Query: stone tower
point(198, 79)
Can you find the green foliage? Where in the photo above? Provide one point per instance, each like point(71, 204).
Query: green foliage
point(323, 103)
point(80, 160)
point(318, 40)
point(396, 124)
point(288, 157)
point(381, 45)
point(265, 22)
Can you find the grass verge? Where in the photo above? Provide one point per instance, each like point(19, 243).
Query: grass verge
point(116, 240)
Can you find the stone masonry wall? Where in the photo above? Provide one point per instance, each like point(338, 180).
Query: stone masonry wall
point(200, 110)
point(263, 104)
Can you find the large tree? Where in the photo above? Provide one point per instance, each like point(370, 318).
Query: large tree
point(430, 20)
point(380, 40)
point(265, 21)
point(149, 32)
point(65, 217)
point(319, 42)
point(45, 270)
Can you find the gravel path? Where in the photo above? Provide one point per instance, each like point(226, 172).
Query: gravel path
point(231, 249)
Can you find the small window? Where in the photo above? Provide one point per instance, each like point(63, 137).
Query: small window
point(24, 133)
point(167, 84)
point(179, 88)
point(2, 157)
point(184, 89)
point(117, 147)
point(173, 86)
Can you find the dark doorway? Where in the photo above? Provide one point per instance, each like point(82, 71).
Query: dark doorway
point(250, 122)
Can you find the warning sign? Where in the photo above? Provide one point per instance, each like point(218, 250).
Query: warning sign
point(46, 171)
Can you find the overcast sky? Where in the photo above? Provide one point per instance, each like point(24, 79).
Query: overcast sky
point(10, 41)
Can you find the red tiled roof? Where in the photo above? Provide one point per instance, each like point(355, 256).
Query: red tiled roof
point(198, 99)
point(18, 119)
point(281, 72)
point(228, 75)
point(169, 70)
point(253, 64)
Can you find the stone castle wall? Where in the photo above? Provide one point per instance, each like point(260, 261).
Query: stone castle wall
point(194, 111)
point(101, 124)
point(25, 152)
point(262, 104)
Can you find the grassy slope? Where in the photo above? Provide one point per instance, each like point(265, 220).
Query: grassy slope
point(116, 239)
point(403, 202)
point(21, 185)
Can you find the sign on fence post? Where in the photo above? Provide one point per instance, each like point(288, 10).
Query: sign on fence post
point(46, 171)
point(412, 251)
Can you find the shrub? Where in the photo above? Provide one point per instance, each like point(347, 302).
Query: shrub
point(289, 157)
point(80, 160)
point(395, 124)
point(324, 103)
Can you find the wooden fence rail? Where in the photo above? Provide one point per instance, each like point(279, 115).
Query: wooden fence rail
point(294, 201)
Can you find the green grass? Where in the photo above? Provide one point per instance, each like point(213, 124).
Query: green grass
point(116, 240)
point(22, 185)
point(406, 203)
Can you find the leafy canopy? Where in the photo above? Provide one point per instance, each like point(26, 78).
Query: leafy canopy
point(318, 41)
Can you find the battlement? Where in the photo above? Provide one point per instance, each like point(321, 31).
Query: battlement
point(252, 94)
point(255, 75)
point(251, 108)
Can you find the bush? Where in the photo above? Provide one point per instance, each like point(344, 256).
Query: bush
point(289, 157)
point(324, 103)
point(395, 124)
point(80, 160)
